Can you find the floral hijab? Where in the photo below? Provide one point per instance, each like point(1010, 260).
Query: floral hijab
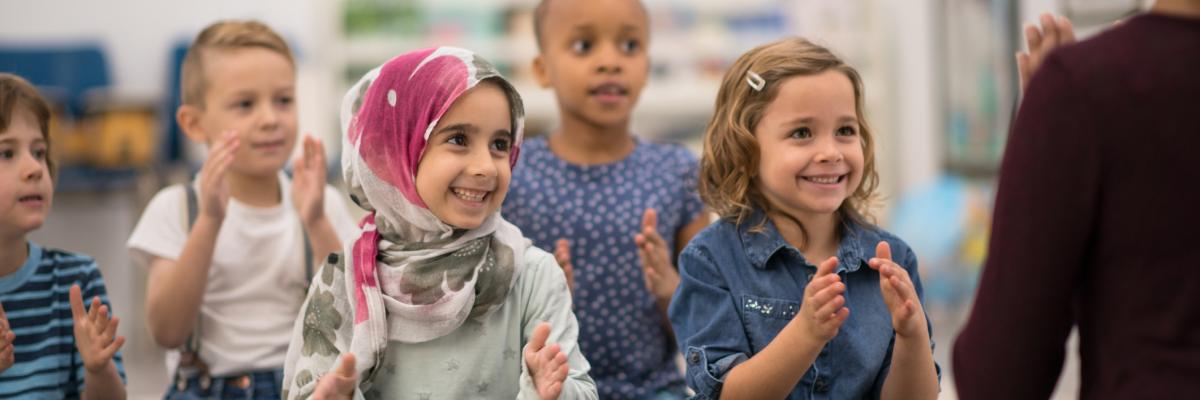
point(409, 277)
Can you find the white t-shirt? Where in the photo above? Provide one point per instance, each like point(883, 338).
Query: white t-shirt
point(257, 280)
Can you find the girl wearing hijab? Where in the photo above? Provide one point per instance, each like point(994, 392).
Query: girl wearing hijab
point(439, 297)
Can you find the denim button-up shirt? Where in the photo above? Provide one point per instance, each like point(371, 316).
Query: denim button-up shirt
point(740, 288)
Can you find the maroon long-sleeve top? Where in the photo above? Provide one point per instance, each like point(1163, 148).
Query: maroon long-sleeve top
point(1097, 223)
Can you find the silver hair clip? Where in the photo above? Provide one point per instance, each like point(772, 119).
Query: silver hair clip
point(756, 81)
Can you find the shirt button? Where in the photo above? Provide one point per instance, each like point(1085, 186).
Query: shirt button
point(694, 358)
point(820, 385)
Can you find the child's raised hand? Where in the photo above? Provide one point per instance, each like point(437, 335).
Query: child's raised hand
point(214, 194)
point(562, 254)
point(1055, 32)
point(547, 364)
point(340, 384)
point(824, 307)
point(908, 318)
point(308, 181)
point(661, 276)
point(6, 342)
point(95, 334)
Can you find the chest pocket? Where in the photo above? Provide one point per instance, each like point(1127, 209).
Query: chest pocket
point(764, 317)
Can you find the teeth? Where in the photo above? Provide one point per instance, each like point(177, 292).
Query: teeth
point(824, 180)
point(470, 195)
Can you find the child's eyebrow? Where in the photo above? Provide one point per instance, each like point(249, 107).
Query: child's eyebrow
point(462, 127)
point(809, 120)
point(504, 132)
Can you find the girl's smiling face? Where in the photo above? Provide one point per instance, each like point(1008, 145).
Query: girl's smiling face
point(464, 173)
point(811, 155)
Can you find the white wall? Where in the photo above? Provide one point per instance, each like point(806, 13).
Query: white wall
point(138, 36)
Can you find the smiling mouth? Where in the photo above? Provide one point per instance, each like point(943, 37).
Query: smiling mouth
point(608, 89)
point(824, 180)
point(470, 195)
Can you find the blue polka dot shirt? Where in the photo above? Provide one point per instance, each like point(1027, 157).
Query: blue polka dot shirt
point(598, 208)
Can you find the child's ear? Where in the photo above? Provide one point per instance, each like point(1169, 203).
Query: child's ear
point(539, 72)
point(188, 118)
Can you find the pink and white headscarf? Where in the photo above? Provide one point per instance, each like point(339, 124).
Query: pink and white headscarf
point(415, 278)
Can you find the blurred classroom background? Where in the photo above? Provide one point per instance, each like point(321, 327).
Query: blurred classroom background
point(939, 75)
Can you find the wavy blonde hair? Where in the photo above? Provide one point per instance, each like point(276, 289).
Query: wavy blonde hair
point(729, 165)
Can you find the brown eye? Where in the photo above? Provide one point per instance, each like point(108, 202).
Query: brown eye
point(629, 46)
point(581, 46)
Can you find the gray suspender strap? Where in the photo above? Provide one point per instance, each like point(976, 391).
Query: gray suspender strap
point(308, 261)
point(193, 206)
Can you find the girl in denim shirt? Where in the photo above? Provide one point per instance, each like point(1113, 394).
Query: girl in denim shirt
point(826, 304)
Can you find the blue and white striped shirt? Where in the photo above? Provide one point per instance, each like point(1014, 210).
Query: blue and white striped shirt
point(35, 299)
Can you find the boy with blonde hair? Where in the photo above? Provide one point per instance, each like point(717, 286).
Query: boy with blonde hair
point(230, 254)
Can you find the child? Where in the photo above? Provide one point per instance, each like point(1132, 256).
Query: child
point(777, 300)
point(46, 352)
point(615, 208)
point(439, 295)
point(228, 257)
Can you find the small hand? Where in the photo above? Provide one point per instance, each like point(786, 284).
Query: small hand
point(660, 274)
point(340, 384)
point(6, 342)
point(1055, 32)
point(823, 309)
point(908, 318)
point(562, 254)
point(95, 334)
point(214, 194)
point(308, 182)
point(547, 364)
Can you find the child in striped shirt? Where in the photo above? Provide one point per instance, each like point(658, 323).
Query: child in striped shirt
point(48, 349)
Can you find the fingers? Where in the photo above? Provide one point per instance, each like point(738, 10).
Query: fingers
point(75, 297)
point(649, 219)
point(318, 152)
point(340, 383)
point(94, 310)
point(1033, 38)
point(540, 333)
point(1066, 31)
point(826, 292)
point(883, 250)
point(109, 352)
point(223, 151)
point(110, 327)
point(300, 161)
point(829, 309)
point(346, 367)
point(562, 253)
point(554, 363)
point(1050, 37)
point(1023, 67)
point(826, 268)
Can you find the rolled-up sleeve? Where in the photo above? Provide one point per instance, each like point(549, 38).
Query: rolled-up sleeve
point(707, 324)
